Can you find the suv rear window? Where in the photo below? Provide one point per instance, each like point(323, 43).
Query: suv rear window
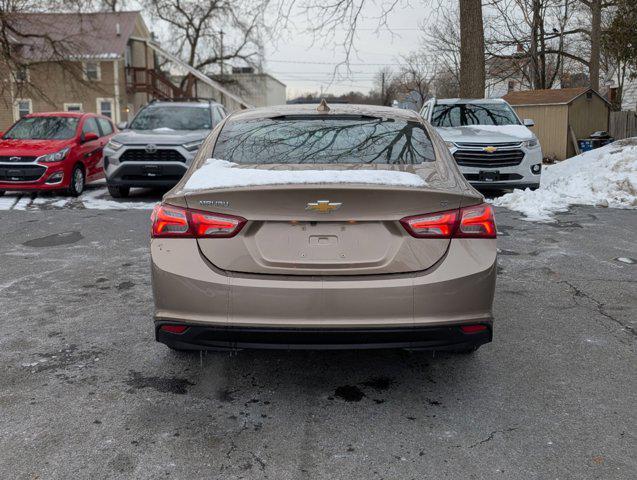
point(331, 140)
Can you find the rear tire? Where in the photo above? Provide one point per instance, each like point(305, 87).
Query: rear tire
point(78, 181)
point(1, 192)
point(118, 192)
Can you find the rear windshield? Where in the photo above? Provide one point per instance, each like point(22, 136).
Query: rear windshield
point(43, 128)
point(461, 114)
point(331, 140)
point(173, 117)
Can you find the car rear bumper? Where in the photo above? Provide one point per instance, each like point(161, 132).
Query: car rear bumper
point(198, 337)
point(455, 291)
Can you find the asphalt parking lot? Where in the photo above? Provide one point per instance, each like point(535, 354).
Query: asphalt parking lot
point(85, 392)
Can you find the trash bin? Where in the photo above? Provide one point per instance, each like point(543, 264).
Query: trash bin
point(585, 144)
point(601, 138)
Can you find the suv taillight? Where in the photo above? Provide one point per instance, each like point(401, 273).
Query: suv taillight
point(176, 222)
point(469, 222)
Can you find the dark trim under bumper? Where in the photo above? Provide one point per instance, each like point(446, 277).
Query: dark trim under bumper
point(502, 185)
point(198, 337)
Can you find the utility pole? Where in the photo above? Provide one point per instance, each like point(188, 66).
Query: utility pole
point(221, 51)
point(382, 88)
point(221, 99)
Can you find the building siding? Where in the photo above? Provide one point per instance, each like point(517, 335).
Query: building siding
point(587, 115)
point(550, 127)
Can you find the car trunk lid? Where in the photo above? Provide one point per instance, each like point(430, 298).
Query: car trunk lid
point(327, 229)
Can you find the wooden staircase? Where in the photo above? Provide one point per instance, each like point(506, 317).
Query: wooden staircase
point(152, 82)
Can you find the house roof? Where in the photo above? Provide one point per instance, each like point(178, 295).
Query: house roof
point(101, 35)
point(556, 96)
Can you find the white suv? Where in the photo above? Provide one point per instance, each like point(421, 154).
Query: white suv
point(492, 147)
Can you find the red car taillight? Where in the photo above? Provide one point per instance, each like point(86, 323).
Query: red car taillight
point(176, 222)
point(469, 222)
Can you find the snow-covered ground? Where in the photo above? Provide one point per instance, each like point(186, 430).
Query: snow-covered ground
point(95, 197)
point(605, 177)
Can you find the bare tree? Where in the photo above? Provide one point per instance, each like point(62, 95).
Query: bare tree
point(28, 42)
point(207, 33)
point(619, 47)
point(416, 76)
point(332, 18)
point(526, 40)
point(442, 41)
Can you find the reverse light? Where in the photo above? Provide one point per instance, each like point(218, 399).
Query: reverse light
point(176, 222)
point(468, 222)
point(54, 157)
point(192, 146)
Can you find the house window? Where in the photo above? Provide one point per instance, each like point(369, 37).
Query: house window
point(92, 71)
point(22, 74)
point(72, 107)
point(23, 107)
point(105, 107)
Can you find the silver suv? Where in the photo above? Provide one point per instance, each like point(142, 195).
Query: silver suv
point(492, 146)
point(158, 146)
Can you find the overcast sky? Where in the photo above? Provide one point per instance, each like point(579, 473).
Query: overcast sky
point(305, 66)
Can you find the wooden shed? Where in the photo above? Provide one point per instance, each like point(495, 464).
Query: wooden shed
point(561, 116)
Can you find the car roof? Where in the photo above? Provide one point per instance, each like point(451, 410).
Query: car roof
point(335, 109)
point(453, 101)
point(184, 104)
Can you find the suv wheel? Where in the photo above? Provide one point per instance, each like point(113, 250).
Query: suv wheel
point(78, 181)
point(118, 192)
point(1, 192)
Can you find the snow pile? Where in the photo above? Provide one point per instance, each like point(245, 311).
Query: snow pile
point(223, 174)
point(604, 177)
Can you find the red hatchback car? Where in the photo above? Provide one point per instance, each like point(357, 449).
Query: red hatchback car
point(54, 151)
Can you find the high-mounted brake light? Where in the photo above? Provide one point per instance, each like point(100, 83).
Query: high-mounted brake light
point(176, 222)
point(469, 222)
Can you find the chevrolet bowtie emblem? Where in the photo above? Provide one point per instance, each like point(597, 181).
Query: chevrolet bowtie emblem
point(490, 149)
point(323, 206)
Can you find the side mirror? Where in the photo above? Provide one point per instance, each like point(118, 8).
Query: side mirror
point(89, 137)
point(528, 122)
point(122, 125)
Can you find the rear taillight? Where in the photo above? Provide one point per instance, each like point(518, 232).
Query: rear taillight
point(434, 225)
point(469, 222)
point(176, 222)
point(476, 222)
